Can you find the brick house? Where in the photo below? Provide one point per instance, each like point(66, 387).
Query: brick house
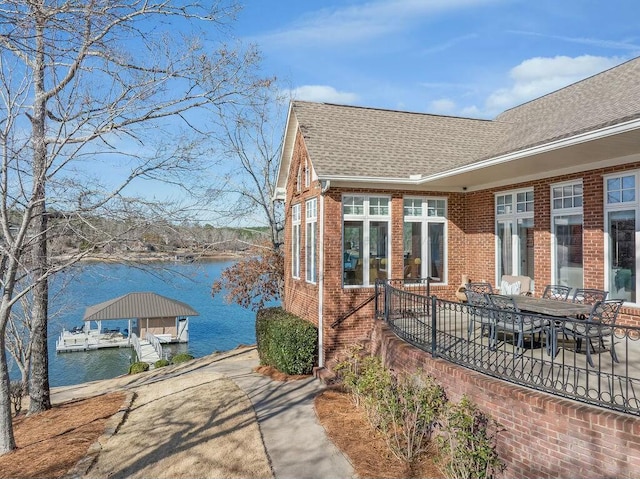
point(549, 189)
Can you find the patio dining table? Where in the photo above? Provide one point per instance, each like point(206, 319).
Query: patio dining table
point(551, 307)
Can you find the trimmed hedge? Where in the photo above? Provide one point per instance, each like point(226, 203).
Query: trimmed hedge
point(181, 358)
point(285, 341)
point(138, 367)
point(160, 363)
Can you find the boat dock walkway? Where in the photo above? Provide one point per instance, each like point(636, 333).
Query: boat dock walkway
point(79, 340)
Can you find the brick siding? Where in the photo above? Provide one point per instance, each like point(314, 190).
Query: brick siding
point(542, 436)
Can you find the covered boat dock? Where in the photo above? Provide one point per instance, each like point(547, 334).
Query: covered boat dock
point(152, 320)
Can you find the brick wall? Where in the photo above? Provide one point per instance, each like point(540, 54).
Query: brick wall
point(470, 246)
point(543, 436)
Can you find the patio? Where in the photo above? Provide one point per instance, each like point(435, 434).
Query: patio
point(443, 329)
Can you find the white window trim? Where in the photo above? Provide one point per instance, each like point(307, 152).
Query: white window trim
point(425, 220)
point(622, 206)
point(311, 217)
point(563, 212)
point(366, 218)
point(295, 254)
point(514, 216)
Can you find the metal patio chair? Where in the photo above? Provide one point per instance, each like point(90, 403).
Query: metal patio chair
point(556, 291)
point(480, 288)
point(589, 295)
point(509, 319)
point(600, 324)
point(479, 305)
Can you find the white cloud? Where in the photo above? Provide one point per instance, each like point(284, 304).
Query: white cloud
point(538, 76)
point(362, 22)
point(323, 93)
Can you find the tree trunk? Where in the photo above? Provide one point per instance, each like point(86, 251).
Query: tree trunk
point(39, 393)
point(39, 399)
point(7, 441)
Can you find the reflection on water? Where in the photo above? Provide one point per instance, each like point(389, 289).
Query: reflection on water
point(219, 327)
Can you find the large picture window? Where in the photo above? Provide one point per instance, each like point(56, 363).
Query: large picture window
point(366, 240)
point(514, 234)
point(566, 217)
point(295, 241)
point(311, 208)
point(621, 216)
point(424, 238)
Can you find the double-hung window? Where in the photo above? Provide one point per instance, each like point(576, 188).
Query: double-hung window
point(621, 208)
point(366, 239)
point(424, 238)
point(514, 233)
point(295, 241)
point(311, 208)
point(566, 219)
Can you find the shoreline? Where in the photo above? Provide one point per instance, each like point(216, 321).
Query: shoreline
point(149, 257)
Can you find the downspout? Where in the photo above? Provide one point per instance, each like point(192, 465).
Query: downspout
point(324, 188)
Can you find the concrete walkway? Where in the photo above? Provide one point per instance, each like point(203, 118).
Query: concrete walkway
point(296, 442)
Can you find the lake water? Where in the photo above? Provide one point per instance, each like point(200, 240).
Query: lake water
point(219, 327)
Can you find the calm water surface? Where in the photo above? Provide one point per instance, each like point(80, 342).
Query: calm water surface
point(219, 327)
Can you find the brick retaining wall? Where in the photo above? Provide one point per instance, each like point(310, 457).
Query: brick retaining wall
point(544, 436)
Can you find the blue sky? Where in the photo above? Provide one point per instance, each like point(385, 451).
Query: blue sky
point(472, 58)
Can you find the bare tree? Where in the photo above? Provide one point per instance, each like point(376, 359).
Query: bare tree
point(91, 92)
point(250, 139)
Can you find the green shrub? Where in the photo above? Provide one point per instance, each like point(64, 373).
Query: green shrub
point(285, 341)
point(404, 409)
point(160, 363)
point(468, 442)
point(138, 367)
point(181, 358)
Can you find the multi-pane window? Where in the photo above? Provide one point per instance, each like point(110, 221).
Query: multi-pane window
point(566, 218)
point(311, 208)
point(621, 223)
point(424, 238)
point(307, 174)
point(295, 241)
point(366, 241)
point(514, 233)
point(299, 179)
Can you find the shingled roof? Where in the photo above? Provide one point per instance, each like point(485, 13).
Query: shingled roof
point(138, 305)
point(356, 142)
point(605, 99)
point(374, 143)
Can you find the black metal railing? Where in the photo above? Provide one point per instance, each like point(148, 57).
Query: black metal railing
point(486, 340)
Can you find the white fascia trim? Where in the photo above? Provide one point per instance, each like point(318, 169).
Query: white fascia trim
point(288, 143)
point(369, 179)
point(554, 145)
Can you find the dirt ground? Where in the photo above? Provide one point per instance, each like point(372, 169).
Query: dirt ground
point(51, 443)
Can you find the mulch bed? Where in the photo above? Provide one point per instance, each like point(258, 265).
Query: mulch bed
point(52, 442)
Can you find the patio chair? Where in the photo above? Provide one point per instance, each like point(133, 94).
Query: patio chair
point(589, 296)
point(509, 319)
point(510, 284)
point(600, 324)
point(479, 304)
point(556, 291)
point(480, 288)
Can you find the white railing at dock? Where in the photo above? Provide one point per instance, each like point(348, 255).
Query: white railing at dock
point(155, 342)
point(135, 342)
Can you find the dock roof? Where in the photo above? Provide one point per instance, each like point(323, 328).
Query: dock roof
point(138, 305)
